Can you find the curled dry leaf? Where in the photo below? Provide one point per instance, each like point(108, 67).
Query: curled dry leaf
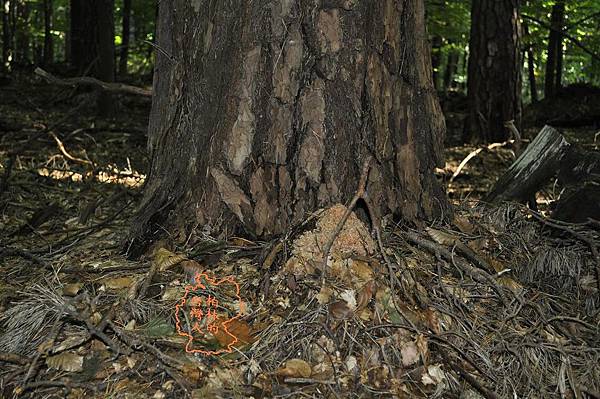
point(365, 295)
point(339, 310)
point(350, 297)
point(239, 329)
point(165, 259)
point(295, 368)
point(423, 348)
point(442, 237)
point(464, 224)
point(191, 267)
point(66, 361)
point(410, 353)
point(72, 289)
point(241, 242)
point(433, 376)
point(361, 270)
point(118, 283)
point(324, 295)
point(351, 363)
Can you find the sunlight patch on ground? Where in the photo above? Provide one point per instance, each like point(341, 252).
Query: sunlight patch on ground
point(112, 175)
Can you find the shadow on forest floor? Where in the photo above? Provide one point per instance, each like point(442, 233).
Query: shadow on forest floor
point(496, 304)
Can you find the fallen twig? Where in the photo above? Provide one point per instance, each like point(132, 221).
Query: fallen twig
point(88, 81)
point(475, 273)
point(474, 153)
point(13, 358)
point(565, 227)
point(360, 192)
point(9, 251)
point(472, 380)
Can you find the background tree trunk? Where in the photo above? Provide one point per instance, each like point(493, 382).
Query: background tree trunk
point(105, 49)
point(93, 44)
point(265, 111)
point(67, 16)
point(531, 72)
point(450, 70)
point(125, 37)
point(48, 42)
point(82, 40)
point(436, 59)
point(6, 32)
point(530, 65)
point(494, 72)
point(554, 60)
point(22, 54)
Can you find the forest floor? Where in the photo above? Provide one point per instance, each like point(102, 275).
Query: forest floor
point(499, 303)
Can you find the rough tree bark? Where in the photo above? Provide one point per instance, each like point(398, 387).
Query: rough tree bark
point(124, 53)
point(265, 111)
point(494, 72)
point(48, 42)
point(555, 53)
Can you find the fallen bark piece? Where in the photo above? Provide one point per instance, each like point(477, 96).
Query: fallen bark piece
point(532, 169)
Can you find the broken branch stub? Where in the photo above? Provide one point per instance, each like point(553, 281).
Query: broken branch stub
point(532, 169)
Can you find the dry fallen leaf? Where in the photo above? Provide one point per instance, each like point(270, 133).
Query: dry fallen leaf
point(441, 237)
point(191, 267)
point(324, 295)
point(295, 368)
point(72, 289)
point(433, 376)
point(350, 297)
point(117, 283)
point(464, 224)
point(241, 242)
point(339, 310)
point(66, 361)
point(239, 329)
point(361, 270)
point(165, 259)
point(365, 295)
point(410, 353)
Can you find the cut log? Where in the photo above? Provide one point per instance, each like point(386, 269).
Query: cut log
point(532, 169)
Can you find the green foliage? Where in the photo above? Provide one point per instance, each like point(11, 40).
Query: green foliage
point(450, 21)
point(143, 15)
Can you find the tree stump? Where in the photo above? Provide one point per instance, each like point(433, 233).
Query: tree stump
point(532, 169)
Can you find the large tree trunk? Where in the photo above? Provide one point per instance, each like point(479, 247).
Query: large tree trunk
point(48, 42)
point(494, 74)
point(265, 111)
point(554, 60)
point(126, 18)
